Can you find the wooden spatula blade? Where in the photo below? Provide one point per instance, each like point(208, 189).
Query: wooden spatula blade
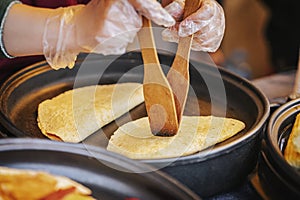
point(161, 109)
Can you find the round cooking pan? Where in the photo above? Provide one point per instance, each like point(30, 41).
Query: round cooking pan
point(108, 175)
point(213, 91)
point(278, 179)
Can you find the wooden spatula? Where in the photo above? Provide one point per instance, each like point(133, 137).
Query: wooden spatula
point(178, 76)
point(159, 99)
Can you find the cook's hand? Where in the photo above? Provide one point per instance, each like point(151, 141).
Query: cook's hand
point(207, 24)
point(101, 26)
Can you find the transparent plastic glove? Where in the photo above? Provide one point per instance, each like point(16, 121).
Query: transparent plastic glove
point(102, 26)
point(207, 24)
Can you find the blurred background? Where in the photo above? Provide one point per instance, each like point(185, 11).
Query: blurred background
point(261, 37)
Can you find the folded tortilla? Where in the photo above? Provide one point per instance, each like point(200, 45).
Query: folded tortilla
point(20, 184)
point(292, 150)
point(196, 133)
point(74, 115)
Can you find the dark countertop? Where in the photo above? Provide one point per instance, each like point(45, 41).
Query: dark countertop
point(276, 87)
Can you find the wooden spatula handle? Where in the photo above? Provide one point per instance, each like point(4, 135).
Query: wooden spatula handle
point(190, 7)
point(147, 44)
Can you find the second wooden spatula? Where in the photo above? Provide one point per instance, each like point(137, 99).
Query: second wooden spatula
point(178, 76)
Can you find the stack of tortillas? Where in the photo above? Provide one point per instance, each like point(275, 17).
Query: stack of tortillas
point(292, 150)
point(20, 184)
point(196, 133)
point(74, 115)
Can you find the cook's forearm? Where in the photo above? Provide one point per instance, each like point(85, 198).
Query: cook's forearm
point(24, 28)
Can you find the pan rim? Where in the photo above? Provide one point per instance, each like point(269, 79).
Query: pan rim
point(278, 117)
point(101, 154)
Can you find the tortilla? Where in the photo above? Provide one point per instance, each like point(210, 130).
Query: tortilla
point(22, 184)
point(75, 114)
point(292, 150)
point(196, 133)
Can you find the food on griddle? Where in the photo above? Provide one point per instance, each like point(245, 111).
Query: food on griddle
point(196, 133)
point(20, 184)
point(74, 115)
point(292, 150)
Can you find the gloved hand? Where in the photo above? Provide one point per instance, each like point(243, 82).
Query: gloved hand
point(207, 24)
point(101, 26)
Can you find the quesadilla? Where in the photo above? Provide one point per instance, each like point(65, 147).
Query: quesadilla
point(20, 184)
point(75, 114)
point(196, 133)
point(292, 150)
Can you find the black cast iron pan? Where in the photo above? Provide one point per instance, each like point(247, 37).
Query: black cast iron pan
point(213, 91)
point(278, 179)
point(108, 175)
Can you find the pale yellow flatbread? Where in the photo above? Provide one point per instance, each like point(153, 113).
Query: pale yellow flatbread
point(74, 115)
point(22, 184)
point(196, 133)
point(292, 150)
